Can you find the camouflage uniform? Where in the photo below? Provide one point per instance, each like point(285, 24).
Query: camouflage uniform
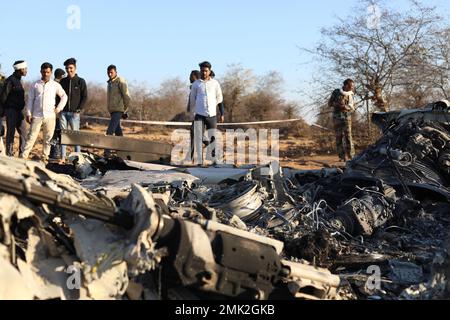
point(343, 108)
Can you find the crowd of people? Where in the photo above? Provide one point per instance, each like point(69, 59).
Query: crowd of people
point(56, 104)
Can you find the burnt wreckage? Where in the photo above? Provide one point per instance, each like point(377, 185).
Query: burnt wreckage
point(408, 165)
point(144, 231)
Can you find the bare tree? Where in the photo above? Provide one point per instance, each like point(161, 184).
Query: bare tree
point(97, 101)
point(266, 101)
point(173, 97)
point(236, 84)
point(377, 52)
point(439, 61)
point(142, 98)
point(250, 97)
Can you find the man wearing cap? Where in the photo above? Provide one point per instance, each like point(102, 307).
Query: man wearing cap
point(204, 98)
point(41, 110)
point(13, 101)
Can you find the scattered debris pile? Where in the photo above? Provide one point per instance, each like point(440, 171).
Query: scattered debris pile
point(117, 229)
point(386, 212)
point(59, 240)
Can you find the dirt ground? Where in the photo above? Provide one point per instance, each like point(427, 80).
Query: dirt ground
point(298, 153)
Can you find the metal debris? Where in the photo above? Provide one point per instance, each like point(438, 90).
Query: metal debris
point(139, 237)
point(239, 200)
point(131, 149)
point(405, 272)
point(131, 230)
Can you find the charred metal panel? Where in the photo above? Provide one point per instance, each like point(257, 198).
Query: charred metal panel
point(101, 141)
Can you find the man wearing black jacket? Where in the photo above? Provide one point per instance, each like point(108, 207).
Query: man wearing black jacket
point(76, 90)
point(13, 101)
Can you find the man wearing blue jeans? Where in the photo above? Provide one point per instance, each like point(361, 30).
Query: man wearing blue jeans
point(118, 102)
point(76, 90)
point(114, 127)
point(69, 121)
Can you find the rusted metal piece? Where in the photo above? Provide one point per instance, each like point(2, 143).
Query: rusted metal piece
point(123, 144)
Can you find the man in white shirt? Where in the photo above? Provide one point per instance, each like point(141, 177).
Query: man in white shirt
point(205, 95)
point(41, 110)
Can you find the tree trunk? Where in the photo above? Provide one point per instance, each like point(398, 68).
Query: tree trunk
point(379, 100)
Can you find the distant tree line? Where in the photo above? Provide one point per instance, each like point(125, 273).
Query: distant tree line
point(247, 97)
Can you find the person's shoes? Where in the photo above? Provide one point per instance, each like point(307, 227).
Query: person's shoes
point(10, 150)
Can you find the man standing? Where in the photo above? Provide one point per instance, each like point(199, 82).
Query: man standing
point(194, 76)
point(343, 105)
point(55, 150)
point(13, 101)
point(41, 110)
point(205, 96)
point(118, 102)
point(76, 90)
point(59, 75)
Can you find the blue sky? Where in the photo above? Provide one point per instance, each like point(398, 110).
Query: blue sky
point(151, 41)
